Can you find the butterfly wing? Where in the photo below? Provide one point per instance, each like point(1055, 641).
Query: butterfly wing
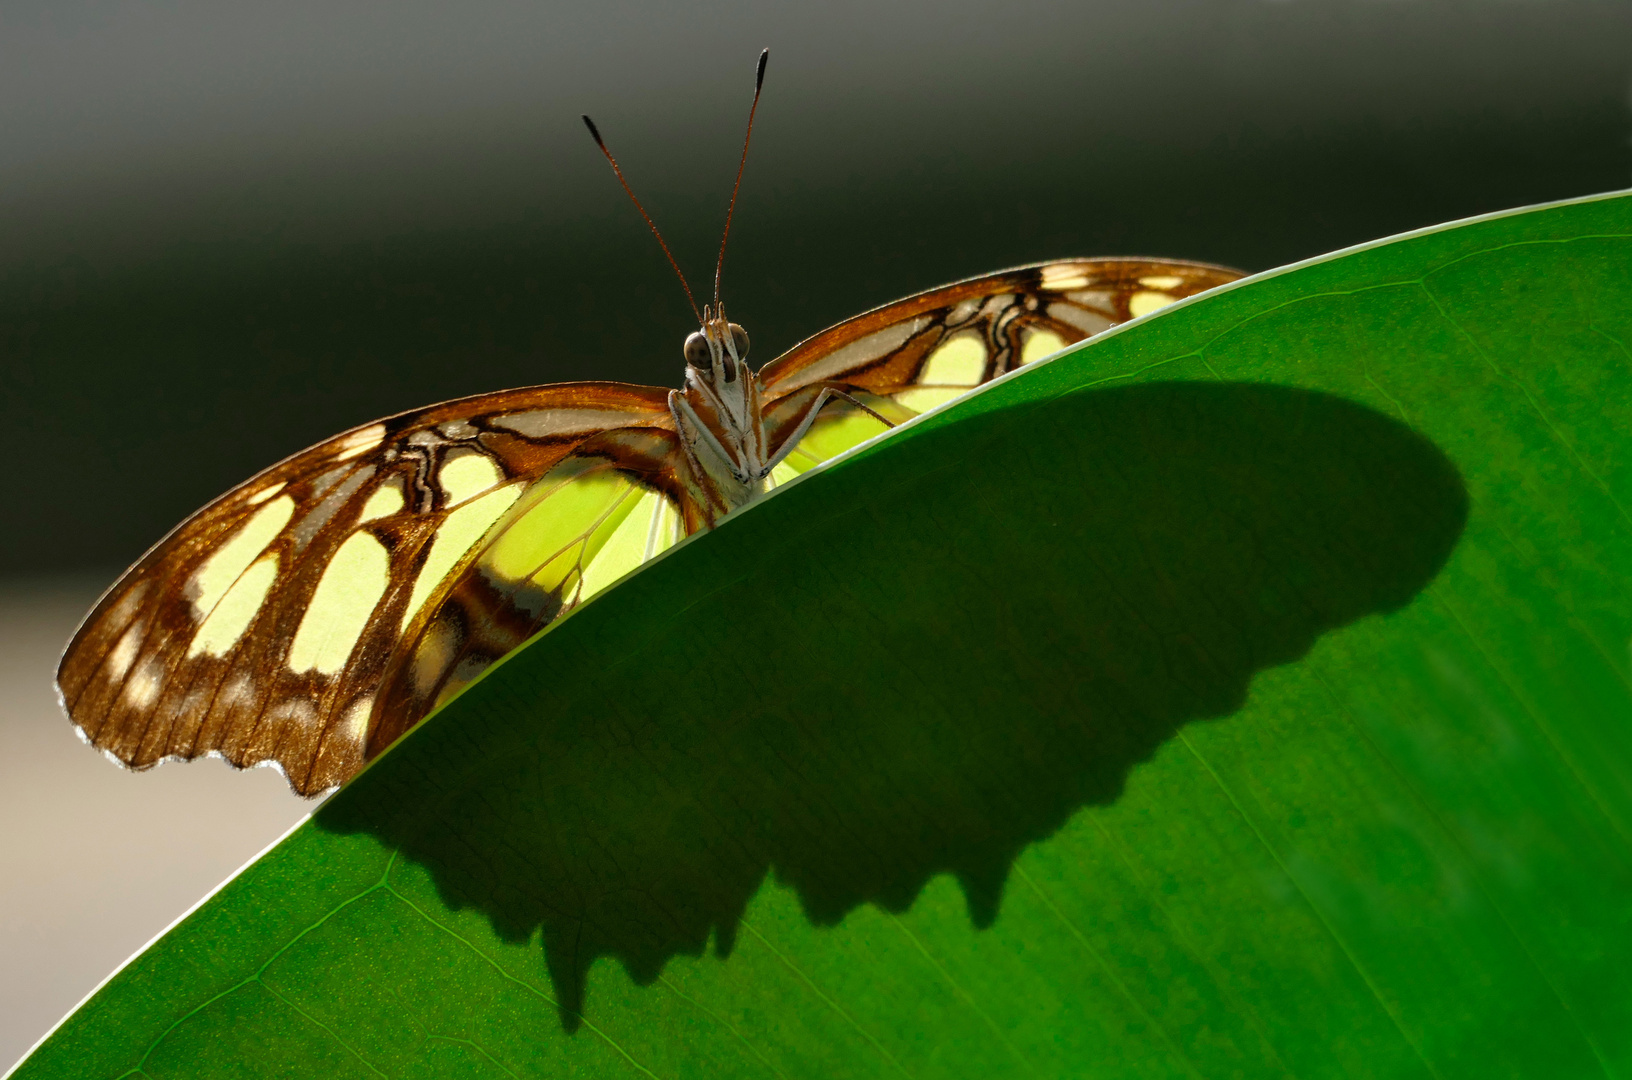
point(311, 615)
point(905, 358)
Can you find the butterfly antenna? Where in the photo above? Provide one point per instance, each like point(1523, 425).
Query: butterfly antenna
point(759, 82)
point(590, 124)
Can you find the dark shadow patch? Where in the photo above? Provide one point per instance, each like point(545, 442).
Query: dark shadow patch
point(919, 664)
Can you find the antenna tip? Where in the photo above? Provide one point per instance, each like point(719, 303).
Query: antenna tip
point(590, 124)
point(759, 74)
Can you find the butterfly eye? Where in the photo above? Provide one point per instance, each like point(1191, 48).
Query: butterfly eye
point(697, 351)
point(739, 338)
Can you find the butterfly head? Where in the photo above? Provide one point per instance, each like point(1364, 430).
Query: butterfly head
point(717, 354)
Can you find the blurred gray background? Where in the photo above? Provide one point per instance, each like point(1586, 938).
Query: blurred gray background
point(228, 230)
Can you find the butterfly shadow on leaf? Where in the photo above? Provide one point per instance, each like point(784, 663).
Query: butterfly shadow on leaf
point(918, 664)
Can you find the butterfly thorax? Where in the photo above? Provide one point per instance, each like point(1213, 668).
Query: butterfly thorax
point(718, 414)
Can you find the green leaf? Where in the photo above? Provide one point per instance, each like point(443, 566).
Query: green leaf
point(1245, 693)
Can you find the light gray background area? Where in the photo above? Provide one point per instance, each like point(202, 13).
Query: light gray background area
point(229, 229)
point(94, 860)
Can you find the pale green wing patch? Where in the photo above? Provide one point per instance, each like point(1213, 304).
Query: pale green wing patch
point(840, 427)
point(543, 549)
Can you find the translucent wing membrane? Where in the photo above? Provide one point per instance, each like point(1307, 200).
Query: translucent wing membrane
point(911, 356)
point(540, 550)
point(313, 614)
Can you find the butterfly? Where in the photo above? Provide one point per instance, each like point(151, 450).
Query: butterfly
point(312, 615)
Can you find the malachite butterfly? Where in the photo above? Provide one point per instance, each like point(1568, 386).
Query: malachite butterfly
point(312, 615)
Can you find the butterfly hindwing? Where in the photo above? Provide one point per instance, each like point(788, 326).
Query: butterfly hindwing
point(263, 627)
point(615, 503)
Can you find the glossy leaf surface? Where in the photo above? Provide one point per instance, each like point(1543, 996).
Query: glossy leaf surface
point(1244, 693)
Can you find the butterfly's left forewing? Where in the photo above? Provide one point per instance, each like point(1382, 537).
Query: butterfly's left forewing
point(311, 615)
point(908, 357)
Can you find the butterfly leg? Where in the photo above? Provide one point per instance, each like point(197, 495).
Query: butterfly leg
point(792, 441)
point(711, 461)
